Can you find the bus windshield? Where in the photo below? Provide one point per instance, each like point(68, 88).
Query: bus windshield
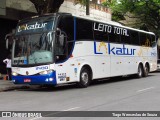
point(34, 42)
point(33, 49)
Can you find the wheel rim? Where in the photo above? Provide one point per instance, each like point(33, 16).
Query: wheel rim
point(146, 68)
point(85, 77)
point(139, 71)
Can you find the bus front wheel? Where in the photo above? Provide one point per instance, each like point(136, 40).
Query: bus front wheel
point(84, 78)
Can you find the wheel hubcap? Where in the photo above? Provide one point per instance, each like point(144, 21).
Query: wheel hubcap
point(140, 71)
point(85, 77)
point(146, 71)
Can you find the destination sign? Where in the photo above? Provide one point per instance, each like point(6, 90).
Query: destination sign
point(34, 27)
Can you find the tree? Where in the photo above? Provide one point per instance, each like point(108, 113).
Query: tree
point(147, 13)
point(47, 6)
point(84, 3)
point(51, 6)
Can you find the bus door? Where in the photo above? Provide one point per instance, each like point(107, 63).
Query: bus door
point(63, 47)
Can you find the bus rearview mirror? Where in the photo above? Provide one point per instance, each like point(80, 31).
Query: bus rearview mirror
point(61, 39)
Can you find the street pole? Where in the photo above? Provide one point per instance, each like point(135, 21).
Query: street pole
point(87, 7)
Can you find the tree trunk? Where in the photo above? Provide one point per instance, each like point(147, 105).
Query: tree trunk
point(47, 6)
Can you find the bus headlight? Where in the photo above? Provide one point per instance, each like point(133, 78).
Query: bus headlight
point(45, 72)
point(14, 74)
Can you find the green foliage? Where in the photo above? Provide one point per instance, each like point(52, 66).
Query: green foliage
point(146, 11)
point(82, 2)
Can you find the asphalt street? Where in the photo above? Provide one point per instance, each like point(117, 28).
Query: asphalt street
point(116, 94)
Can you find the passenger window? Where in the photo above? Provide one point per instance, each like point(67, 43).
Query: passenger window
point(125, 39)
point(134, 37)
point(143, 40)
point(84, 30)
point(100, 35)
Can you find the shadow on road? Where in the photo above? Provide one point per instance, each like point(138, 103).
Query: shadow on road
point(74, 86)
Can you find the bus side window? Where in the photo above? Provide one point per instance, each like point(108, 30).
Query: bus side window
point(84, 30)
point(153, 41)
point(143, 39)
point(114, 37)
point(66, 28)
point(100, 35)
point(125, 39)
point(149, 40)
point(134, 37)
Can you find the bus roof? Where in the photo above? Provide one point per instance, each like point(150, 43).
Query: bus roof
point(92, 19)
point(112, 23)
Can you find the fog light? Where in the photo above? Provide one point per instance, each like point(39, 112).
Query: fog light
point(45, 72)
point(46, 80)
point(13, 81)
point(51, 79)
point(14, 74)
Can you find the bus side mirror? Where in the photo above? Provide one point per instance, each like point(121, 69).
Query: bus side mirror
point(61, 39)
point(7, 44)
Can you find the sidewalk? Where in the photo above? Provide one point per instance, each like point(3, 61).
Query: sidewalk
point(7, 85)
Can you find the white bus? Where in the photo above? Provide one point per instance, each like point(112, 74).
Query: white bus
point(61, 48)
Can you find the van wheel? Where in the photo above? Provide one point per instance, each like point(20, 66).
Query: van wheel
point(84, 78)
point(140, 71)
point(146, 70)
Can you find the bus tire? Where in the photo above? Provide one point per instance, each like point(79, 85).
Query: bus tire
point(140, 71)
point(84, 78)
point(146, 70)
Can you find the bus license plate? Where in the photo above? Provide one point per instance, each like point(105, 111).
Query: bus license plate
point(27, 80)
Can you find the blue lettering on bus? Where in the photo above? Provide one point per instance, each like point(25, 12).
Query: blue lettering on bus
point(117, 50)
point(153, 53)
point(42, 68)
point(120, 51)
point(95, 51)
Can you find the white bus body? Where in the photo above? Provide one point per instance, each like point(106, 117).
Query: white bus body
point(90, 59)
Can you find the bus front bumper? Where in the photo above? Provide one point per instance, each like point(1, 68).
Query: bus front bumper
point(48, 79)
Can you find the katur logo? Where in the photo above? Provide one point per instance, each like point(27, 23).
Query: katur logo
point(112, 50)
point(6, 114)
point(102, 45)
point(144, 48)
point(37, 25)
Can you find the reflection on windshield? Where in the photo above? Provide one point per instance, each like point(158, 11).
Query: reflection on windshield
point(33, 49)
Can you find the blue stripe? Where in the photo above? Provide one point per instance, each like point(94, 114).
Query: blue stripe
point(36, 79)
